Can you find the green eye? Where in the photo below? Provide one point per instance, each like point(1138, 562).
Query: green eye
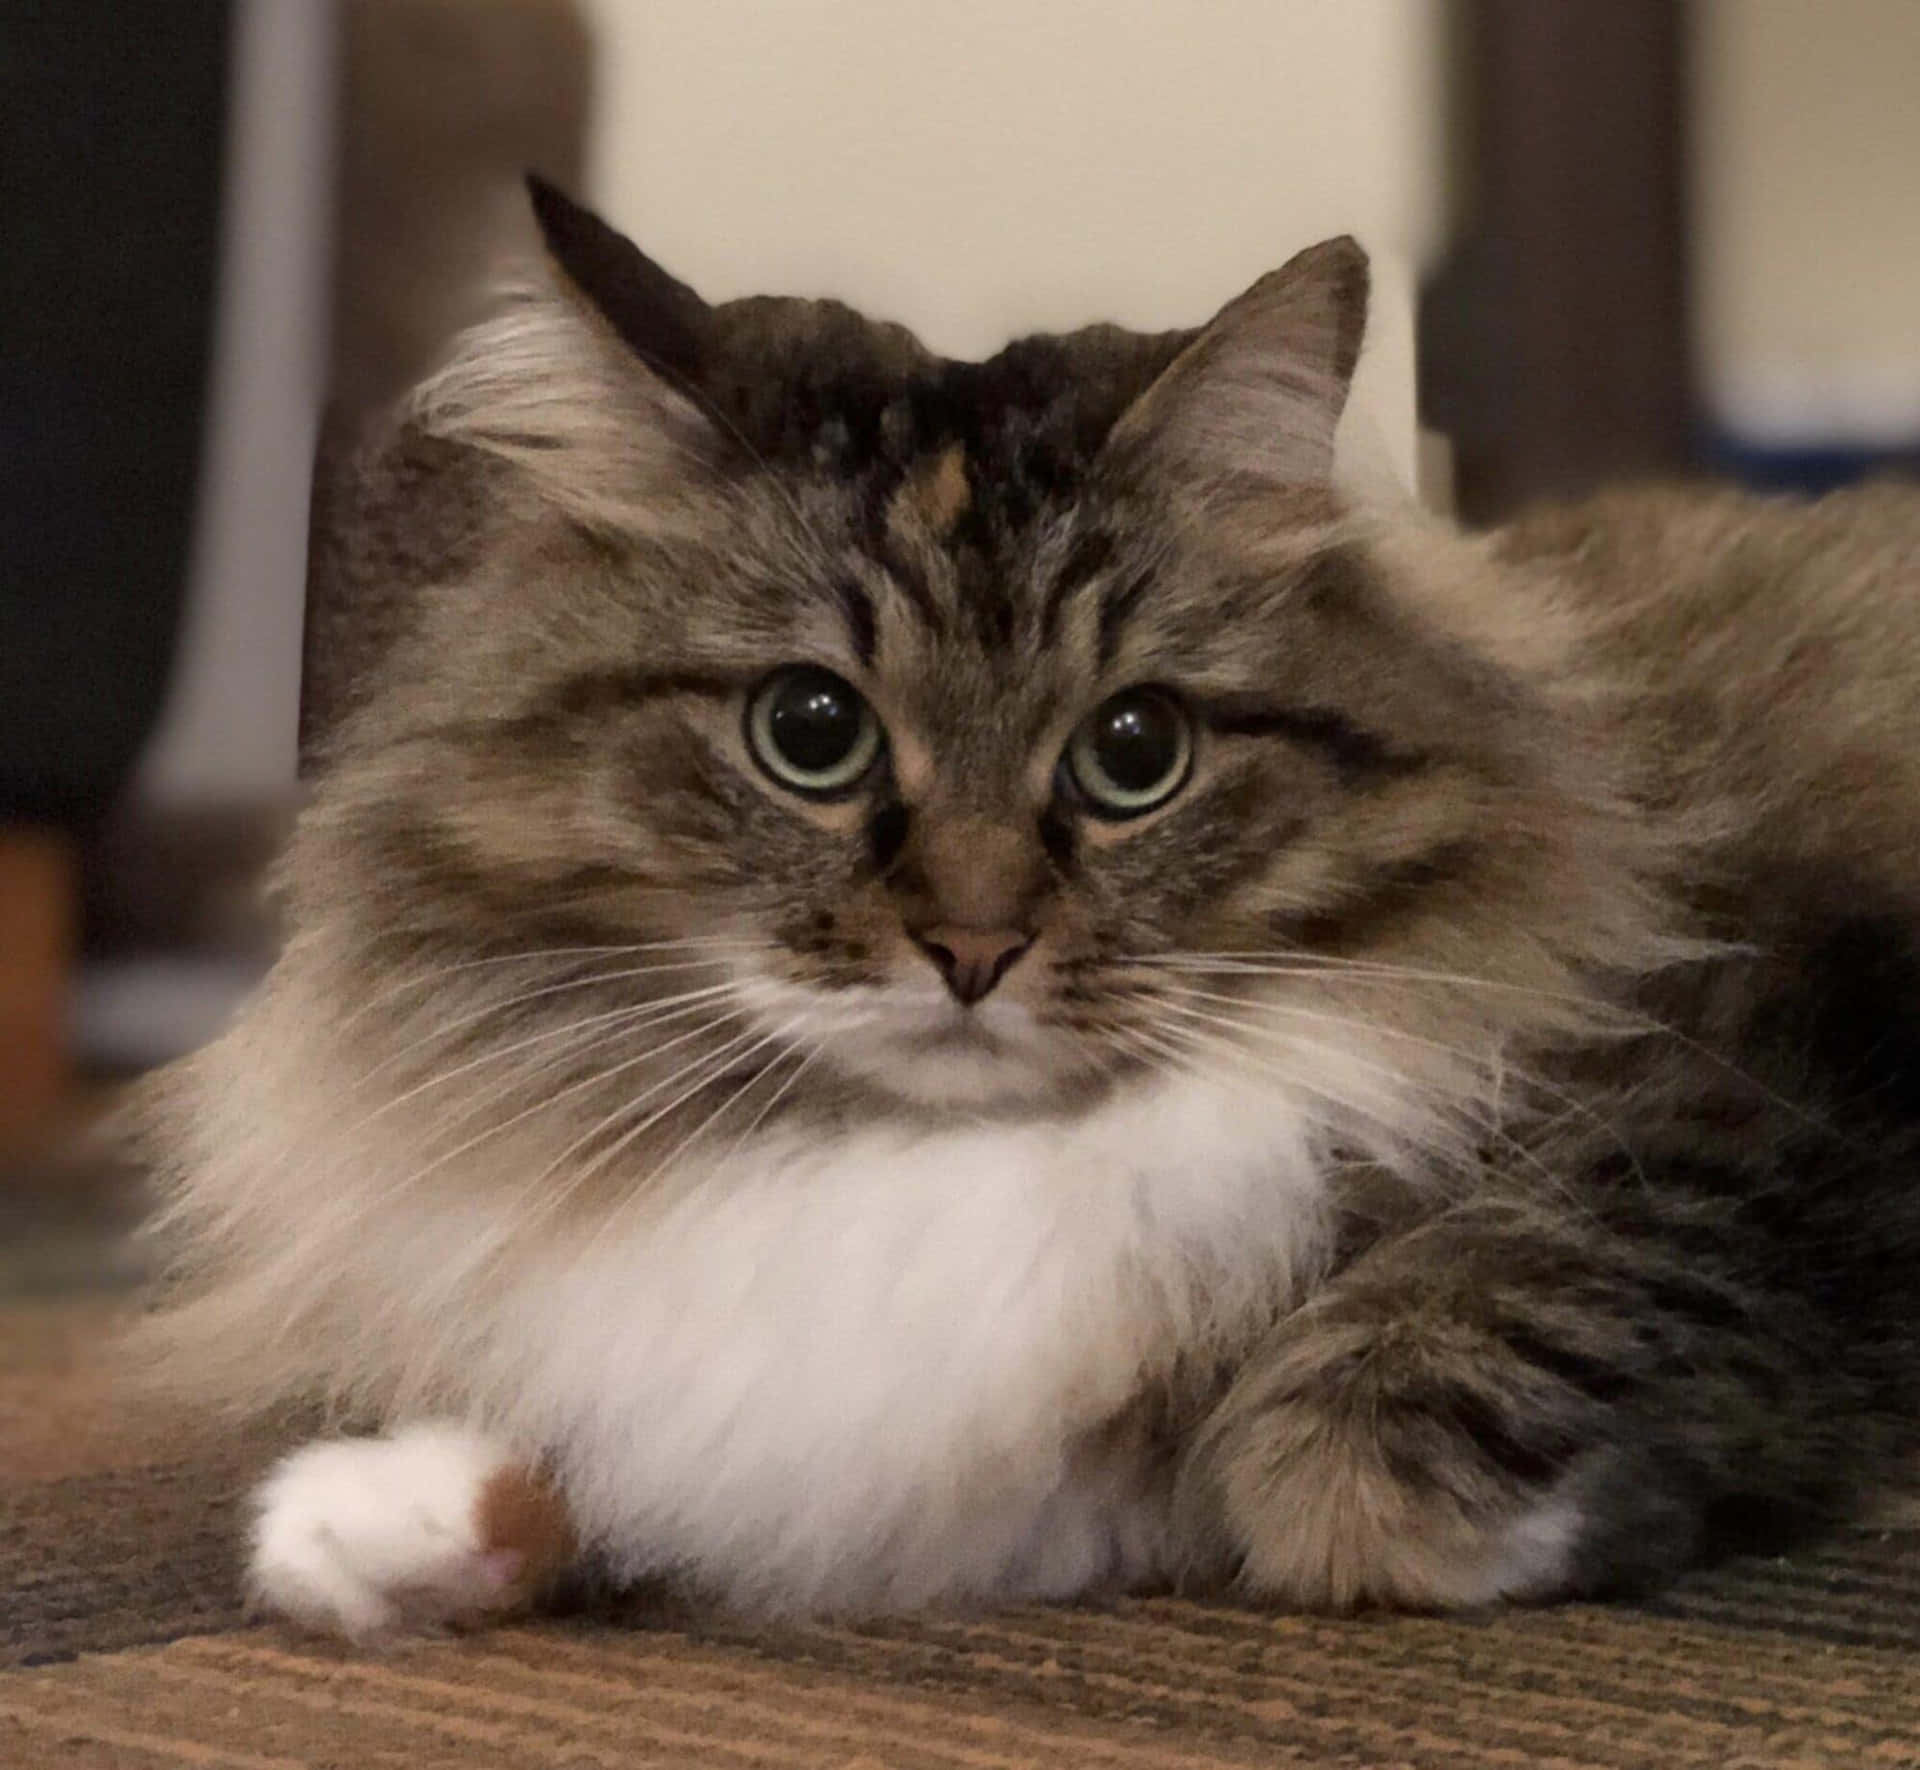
point(812, 731)
point(1132, 754)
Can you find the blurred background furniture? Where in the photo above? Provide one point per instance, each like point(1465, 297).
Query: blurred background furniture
point(373, 154)
point(213, 219)
point(1554, 342)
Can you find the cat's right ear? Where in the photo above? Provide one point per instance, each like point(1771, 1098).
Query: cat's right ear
point(588, 380)
point(663, 322)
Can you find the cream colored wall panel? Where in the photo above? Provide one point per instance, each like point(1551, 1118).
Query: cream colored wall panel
point(979, 168)
point(1807, 132)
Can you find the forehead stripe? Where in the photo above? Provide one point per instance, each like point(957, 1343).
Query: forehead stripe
point(590, 691)
point(1361, 757)
point(905, 577)
point(1090, 555)
point(1116, 606)
point(856, 607)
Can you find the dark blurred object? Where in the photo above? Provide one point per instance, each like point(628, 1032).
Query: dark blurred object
point(447, 104)
point(1553, 344)
point(437, 109)
point(110, 139)
point(110, 149)
point(181, 878)
point(1813, 470)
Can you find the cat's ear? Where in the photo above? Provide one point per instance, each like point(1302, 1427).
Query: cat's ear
point(663, 322)
point(588, 380)
point(1260, 389)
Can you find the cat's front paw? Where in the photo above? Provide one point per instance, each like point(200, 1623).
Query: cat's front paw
point(434, 1524)
point(1340, 1475)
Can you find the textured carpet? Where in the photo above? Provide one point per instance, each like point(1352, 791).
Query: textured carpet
point(124, 1645)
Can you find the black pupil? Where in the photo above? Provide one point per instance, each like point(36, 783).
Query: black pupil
point(1137, 742)
point(814, 721)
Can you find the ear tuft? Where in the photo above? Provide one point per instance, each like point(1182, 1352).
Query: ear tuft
point(1260, 390)
point(584, 379)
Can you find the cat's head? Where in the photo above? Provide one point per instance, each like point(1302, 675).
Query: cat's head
point(989, 729)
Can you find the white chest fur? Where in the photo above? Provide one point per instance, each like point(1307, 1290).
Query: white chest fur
point(852, 1371)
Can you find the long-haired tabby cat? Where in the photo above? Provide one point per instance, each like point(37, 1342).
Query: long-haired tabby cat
point(917, 981)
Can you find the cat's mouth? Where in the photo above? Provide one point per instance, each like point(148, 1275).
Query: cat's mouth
point(963, 1032)
point(922, 1046)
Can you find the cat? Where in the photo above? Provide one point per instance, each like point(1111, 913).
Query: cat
point(916, 982)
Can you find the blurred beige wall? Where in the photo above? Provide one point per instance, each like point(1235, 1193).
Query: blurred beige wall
point(978, 168)
point(1807, 216)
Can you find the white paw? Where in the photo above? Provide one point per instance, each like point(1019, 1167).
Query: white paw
point(1529, 1556)
point(359, 1535)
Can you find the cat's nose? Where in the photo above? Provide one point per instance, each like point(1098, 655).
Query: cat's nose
point(972, 960)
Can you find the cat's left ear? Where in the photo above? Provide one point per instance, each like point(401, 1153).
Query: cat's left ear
point(1260, 390)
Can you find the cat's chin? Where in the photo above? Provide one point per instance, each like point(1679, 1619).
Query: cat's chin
point(1001, 1061)
point(960, 1072)
point(923, 1050)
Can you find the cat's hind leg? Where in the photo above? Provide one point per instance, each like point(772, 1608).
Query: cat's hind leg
point(435, 1523)
point(1496, 1406)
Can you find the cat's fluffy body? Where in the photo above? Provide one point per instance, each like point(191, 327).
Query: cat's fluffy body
point(1458, 1147)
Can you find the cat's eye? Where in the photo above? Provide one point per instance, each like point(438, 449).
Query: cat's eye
point(812, 730)
point(1132, 753)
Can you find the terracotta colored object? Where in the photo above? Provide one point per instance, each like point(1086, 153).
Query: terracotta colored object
point(37, 894)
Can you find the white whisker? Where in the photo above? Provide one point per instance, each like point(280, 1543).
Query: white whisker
point(437, 974)
point(569, 1046)
point(1181, 1004)
point(1318, 966)
point(1600, 1015)
point(1479, 1116)
point(778, 1034)
point(447, 1029)
point(597, 1079)
point(704, 1068)
point(773, 1100)
point(637, 1014)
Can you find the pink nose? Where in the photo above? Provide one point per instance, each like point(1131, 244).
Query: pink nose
point(972, 960)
